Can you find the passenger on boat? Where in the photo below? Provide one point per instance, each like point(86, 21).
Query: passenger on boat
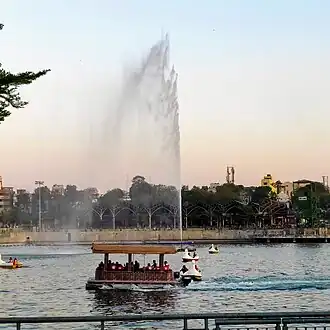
point(100, 266)
point(117, 266)
point(184, 269)
point(10, 260)
point(15, 262)
point(148, 267)
point(166, 266)
point(195, 254)
point(129, 266)
point(136, 266)
point(154, 264)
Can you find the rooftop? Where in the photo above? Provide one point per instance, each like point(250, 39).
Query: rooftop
point(132, 249)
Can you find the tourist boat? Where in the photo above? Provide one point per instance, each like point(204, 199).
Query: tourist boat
point(213, 249)
point(127, 278)
point(9, 265)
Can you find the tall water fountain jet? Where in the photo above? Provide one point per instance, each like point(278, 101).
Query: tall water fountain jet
point(141, 135)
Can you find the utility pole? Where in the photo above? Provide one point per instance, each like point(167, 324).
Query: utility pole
point(39, 184)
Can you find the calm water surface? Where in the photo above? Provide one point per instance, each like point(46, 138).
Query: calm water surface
point(241, 278)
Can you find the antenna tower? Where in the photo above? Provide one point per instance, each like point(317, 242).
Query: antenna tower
point(325, 181)
point(230, 176)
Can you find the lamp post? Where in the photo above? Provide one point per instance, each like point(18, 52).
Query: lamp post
point(39, 184)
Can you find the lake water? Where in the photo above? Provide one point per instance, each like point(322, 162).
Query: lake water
point(241, 278)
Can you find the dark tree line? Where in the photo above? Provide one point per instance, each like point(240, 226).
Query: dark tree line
point(152, 206)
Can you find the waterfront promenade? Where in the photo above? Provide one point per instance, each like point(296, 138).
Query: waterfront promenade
point(196, 235)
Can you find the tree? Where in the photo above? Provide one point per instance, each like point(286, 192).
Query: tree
point(112, 198)
point(261, 194)
point(9, 84)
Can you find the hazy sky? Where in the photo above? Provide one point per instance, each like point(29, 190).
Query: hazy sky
point(253, 84)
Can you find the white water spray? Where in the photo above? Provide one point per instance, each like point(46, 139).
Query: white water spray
point(140, 133)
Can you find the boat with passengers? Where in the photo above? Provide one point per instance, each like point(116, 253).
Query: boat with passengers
point(112, 275)
point(11, 264)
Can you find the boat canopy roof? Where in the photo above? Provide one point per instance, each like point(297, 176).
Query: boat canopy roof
point(132, 249)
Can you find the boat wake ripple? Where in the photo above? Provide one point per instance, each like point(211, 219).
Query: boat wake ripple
point(262, 283)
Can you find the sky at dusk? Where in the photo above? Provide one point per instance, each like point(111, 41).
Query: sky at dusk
point(253, 85)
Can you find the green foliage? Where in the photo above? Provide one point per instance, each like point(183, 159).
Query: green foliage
point(260, 194)
point(9, 85)
point(149, 205)
point(9, 94)
point(312, 203)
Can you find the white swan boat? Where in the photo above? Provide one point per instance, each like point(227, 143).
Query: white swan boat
point(193, 272)
point(213, 249)
point(186, 256)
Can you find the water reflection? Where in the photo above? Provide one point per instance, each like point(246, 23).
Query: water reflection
point(116, 302)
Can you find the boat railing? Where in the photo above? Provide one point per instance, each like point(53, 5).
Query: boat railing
point(124, 275)
point(217, 321)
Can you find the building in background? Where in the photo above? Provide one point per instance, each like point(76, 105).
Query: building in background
point(213, 187)
point(6, 197)
point(58, 190)
point(267, 181)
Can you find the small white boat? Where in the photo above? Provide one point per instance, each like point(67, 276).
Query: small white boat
point(9, 265)
point(213, 249)
point(193, 272)
point(186, 256)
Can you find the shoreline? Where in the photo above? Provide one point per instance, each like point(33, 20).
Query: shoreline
point(198, 236)
point(251, 241)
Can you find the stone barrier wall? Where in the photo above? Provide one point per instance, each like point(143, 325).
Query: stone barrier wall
point(12, 236)
point(17, 236)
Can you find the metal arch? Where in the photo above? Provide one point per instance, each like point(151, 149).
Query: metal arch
point(271, 207)
point(195, 208)
point(233, 203)
point(160, 208)
point(220, 206)
point(98, 213)
point(127, 208)
point(267, 205)
point(113, 210)
point(152, 210)
point(233, 206)
point(277, 209)
point(255, 206)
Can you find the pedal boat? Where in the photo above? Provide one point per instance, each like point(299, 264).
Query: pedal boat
point(213, 250)
point(193, 273)
point(188, 258)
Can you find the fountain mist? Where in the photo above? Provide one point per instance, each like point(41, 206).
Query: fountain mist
point(140, 133)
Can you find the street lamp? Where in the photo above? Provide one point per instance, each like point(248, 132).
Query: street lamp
point(39, 184)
